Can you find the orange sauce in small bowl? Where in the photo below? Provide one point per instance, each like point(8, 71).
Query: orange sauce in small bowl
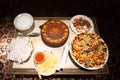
point(39, 57)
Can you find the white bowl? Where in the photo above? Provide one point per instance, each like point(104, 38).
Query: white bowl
point(82, 65)
point(85, 18)
point(23, 21)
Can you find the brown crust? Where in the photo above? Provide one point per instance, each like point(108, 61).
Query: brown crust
point(54, 33)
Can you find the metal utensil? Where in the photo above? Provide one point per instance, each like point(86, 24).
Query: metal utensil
point(63, 58)
point(33, 34)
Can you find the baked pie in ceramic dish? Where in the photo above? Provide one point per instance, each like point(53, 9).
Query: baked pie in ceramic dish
point(54, 33)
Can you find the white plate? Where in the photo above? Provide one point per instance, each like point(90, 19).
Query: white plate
point(82, 65)
point(85, 18)
point(49, 65)
point(20, 49)
point(23, 21)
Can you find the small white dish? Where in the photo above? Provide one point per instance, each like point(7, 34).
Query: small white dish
point(23, 21)
point(73, 27)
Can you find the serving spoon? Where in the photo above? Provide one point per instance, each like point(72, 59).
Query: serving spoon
point(35, 64)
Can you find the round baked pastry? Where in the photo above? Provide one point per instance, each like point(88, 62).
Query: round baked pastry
point(54, 33)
